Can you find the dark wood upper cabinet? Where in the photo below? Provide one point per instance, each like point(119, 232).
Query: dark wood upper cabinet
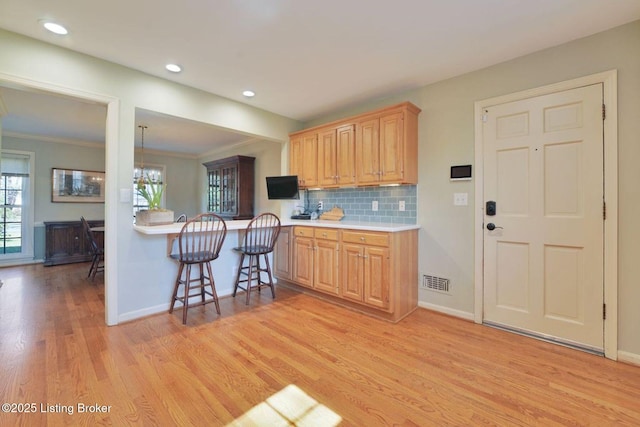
point(231, 187)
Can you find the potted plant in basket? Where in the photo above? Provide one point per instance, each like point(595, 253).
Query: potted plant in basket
point(152, 191)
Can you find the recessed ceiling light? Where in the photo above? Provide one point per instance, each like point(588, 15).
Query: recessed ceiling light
point(174, 68)
point(249, 93)
point(55, 28)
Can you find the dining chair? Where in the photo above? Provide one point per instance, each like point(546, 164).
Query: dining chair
point(97, 250)
point(259, 240)
point(199, 243)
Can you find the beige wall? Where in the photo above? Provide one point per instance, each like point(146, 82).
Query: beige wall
point(447, 138)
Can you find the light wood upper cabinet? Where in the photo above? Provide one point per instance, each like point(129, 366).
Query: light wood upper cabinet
point(327, 155)
point(336, 156)
point(304, 159)
point(392, 146)
point(379, 147)
point(346, 155)
point(368, 151)
point(387, 147)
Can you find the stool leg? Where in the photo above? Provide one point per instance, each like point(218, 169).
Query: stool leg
point(202, 281)
point(266, 260)
point(249, 278)
point(213, 288)
point(235, 288)
point(175, 288)
point(187, 284)
point(258, 270)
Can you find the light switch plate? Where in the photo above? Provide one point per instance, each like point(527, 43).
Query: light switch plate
point(460, 199)
point(374, 205)
point(126, 195)
point(401, 206)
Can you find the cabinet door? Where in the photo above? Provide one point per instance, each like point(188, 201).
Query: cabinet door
point(296, 158)
point(391, 148)
point(368, 151)
point(310, 160)
point(376, 276)
point(303, 261)
point(327, 156)
point(229, 190)
point(346, 155)
point(352, 272)
point(326, 266)
point(282, 254)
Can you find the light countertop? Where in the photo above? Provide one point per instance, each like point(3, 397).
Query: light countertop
point(353, 225)
point(242, 224)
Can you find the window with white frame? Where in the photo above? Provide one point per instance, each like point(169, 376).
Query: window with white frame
point(16, 204)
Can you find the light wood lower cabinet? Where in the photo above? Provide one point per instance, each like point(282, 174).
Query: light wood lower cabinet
point(303, 256)
point(315, 258)
point(325, 260)
point(366, 266)
point(283, 266)
point(374, 272)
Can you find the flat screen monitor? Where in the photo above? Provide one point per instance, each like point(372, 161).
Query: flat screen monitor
point(282, 187)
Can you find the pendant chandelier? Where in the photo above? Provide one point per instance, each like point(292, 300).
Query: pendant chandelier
point(141, 180)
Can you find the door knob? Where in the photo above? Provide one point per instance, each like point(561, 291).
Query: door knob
point(491, 226)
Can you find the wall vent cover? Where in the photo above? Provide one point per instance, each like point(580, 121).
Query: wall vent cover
point(435, 283)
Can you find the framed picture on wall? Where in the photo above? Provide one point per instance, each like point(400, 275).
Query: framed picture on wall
point(77, 186)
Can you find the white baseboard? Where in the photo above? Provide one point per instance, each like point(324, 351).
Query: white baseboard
point(20, 261)
point(446, 310)
point(161, 308)
point(631, 358)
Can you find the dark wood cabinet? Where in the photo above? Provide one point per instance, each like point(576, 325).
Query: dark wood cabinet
point(231, 187)
point(66, 242)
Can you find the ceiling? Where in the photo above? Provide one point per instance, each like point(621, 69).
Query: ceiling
point(303, 59)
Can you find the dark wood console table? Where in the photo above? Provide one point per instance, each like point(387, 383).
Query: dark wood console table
point(66, 242)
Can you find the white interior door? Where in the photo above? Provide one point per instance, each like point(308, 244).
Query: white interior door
point(543, 263)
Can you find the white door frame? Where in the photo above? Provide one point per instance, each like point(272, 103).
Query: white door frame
point(111, 187)
point(609, 80)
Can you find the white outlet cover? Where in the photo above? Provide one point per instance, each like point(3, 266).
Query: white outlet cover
point(374, 205)
point(401, 206)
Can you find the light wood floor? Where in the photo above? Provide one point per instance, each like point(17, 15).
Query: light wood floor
point(430, 369)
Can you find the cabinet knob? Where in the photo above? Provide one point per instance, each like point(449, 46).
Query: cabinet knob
point(362, 239)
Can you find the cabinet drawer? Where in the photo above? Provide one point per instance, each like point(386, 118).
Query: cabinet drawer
point(326, 234)
point(303, 231)
point(366, 238)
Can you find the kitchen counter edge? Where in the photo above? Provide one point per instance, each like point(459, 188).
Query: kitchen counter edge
point(242, 224)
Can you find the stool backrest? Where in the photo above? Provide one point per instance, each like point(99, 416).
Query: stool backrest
point(201, 238)
point(261, 234)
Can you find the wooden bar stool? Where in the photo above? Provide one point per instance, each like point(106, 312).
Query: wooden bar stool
point(199, 243)
point(259, 239)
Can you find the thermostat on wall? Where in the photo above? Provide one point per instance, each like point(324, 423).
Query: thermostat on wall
point(461, 173)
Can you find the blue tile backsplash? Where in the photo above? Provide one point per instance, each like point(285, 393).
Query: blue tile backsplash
point(356, 203)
